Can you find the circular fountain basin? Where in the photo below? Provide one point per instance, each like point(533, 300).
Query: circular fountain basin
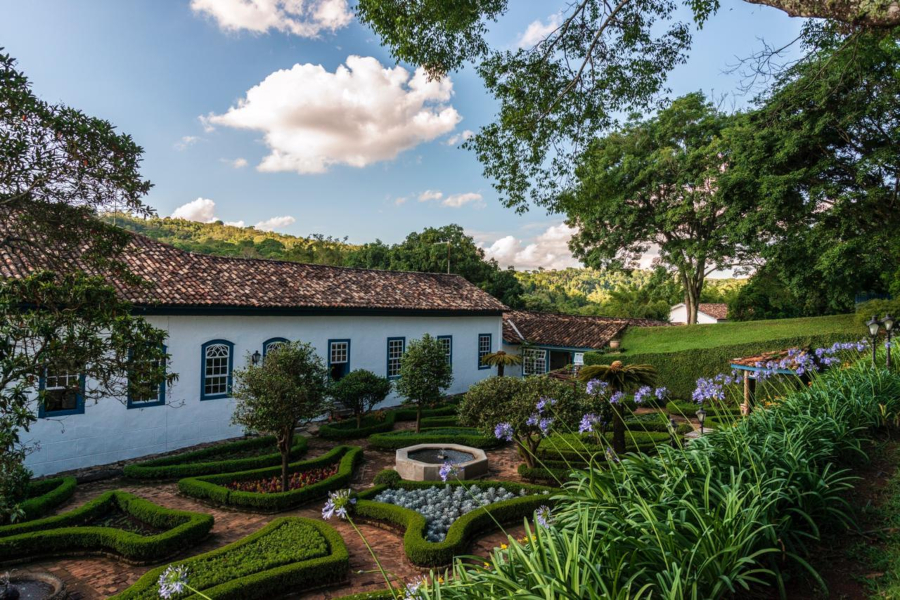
point(423, 462)
point(38, 586)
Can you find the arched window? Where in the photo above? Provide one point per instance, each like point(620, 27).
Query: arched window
point(218, 360)
point(273, 343)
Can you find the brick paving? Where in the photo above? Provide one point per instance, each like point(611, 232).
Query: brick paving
point(90, 578)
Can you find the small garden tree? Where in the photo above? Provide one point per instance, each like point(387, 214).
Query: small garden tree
point(424, 374)
point(288, 389)
point(618, 378)
point(522, 410)
point(501, 360)
point(359, 392)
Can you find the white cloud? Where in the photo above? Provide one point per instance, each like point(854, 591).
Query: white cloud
point(401, 200)
point(459, 138)
point(548, 250)
point(430, 195)
point(186, 141)
point(235, 223)
point(361, 114)
point(459, 200)
point(537, 31)
point(201, 209)
point(305, 18)
point(238, 163)
point(275, 223)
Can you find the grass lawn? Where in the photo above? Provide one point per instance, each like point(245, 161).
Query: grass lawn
point(652, 340)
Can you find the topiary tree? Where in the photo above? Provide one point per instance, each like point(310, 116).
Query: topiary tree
point(359, 392)
point(288, 389)
point(522, 410)
point(618, 378)
point(501, 360)
point(424, 374)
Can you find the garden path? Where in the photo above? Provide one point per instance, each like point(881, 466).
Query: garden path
point(90, 578)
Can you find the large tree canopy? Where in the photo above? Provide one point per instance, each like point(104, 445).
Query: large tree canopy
point(654, 185)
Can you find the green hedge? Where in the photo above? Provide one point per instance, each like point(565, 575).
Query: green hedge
point(467, 436)
point(63, 533)
point(408, 413)
point(658, 422)
point(423, 553)
point(212, 487)
point(689, 409)
point(679, 371)
point(214, 460)
point(347, 430)
point(550, 471)
point(574, 447)
point(451, 421)
point(44, 495)
point(290, 553)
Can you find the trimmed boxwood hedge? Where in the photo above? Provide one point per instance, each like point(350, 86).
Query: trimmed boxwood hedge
point(658, 422)
point(451, 421)
point(467, 436)
point(689, 409)
point(573, 447)
point(347, 430)
point(408, 413)
point(213, 460)
point(63, 533)
point(212, 487)
point(274, 579)
point(423, 553)
point(46, 494)
point(550, 471)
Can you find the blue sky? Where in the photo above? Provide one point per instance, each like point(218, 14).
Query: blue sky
point(155, 67)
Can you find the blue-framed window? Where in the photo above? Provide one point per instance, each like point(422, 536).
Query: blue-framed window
point(273, 343)
point(62, 393)
point(338, 358)
point(217, 363)
point(396, 346)
point(447, 342)
point(535, 361)
point(141, 399)
point(485, 347)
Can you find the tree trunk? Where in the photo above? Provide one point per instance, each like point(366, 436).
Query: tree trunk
point(525, 451)
point(284, 446)
point(418, 418)
point(693, 287)
point(618, 431)
point(358, 420)
point(871, 15)
point(500, 370)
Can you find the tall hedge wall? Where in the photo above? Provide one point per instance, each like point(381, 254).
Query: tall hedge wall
point(679, 371)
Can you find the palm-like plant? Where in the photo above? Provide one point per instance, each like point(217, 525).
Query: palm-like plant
point(501, 360)
point(621, 378)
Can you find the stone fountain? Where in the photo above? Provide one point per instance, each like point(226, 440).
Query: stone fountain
point(423, 462)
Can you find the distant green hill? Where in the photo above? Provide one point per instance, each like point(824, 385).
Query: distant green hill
point(225, 240)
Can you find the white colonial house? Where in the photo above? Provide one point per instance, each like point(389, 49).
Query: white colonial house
point(219, 311)
point(549, 341)
point(706, 313)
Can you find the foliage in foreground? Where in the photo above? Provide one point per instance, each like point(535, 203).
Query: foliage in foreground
point(727, 513)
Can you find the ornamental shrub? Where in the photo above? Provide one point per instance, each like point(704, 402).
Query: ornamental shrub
point(348, 429)
point(424, 374)
point(359, 392)
point(42, 496)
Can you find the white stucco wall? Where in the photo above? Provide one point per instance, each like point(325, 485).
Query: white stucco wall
point(678, 314)
point(108, 431)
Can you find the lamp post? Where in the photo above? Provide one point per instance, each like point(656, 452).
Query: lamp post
point(255, 358)
point(888, 322)
point(874, 325)
point(701, 416)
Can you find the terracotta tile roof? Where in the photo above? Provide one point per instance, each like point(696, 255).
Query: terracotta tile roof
point(181, 279)
point(567, 331)
point(716, 311)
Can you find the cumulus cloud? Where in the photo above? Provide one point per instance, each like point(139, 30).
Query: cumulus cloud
point(428, 195)
point(459, 138)
point(304, 18)
point(237, 163)
point(363, 113)
point(201, 209)
point(275, 223)
point(537, 31)
point(459, 200)
point(186, 141)
point(549, 250)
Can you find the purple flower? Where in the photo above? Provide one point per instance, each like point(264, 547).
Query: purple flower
point(503, 431)
point(595, 386)
point(338, 504)
point(543, 516)
point(616, 398)
point(414, 589)
point(173, 581)
point(544, 426)
point(642, 393)
point(588, 423)
point(661, 393)
point(708, 389)
point(533, 419)
point(447, 469)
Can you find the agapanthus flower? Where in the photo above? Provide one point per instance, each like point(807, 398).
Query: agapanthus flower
point(616, 398)
point(543, 403)
point(588, 423)
point(173, 581)
point(543, 516)
point(642, 393)
point(544, 425)
point(661, 393)
point(414, 589)
point(708, 389)
point(338, 503)
point(447, 469)
point(533, 420)
point(503, 431)
point(596, 386)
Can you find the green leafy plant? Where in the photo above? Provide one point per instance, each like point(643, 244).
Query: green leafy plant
point(501, 360)
point(359, 392)
point(350, 430)
point(620, 378)
point(44, 495)
point(424, 374)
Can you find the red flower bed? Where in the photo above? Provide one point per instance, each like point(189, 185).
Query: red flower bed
point(271, 485)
